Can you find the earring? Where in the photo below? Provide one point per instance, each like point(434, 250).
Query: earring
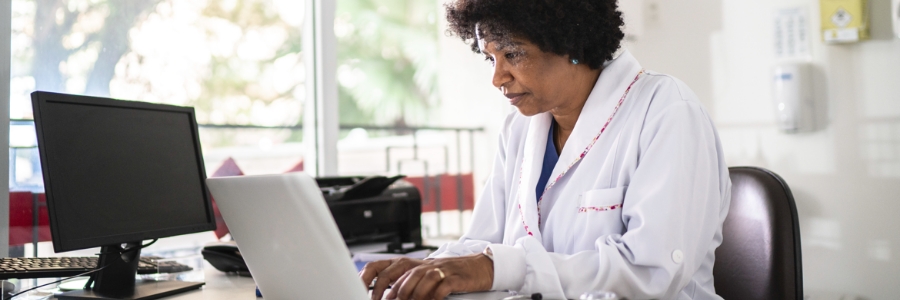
point(574, 61)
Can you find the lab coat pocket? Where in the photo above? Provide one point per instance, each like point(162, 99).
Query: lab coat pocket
point(599, 213)
point(602, 200)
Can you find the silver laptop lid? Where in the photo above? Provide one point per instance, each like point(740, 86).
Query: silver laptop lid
point(287, 236)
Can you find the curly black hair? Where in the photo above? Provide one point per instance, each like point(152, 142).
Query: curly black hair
point(587, 30)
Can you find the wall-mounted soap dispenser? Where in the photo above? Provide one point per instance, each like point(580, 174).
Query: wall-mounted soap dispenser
point(793, 97)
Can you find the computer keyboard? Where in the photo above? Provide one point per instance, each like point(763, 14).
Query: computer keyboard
point(43, 267)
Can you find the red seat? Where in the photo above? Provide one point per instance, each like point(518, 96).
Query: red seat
point(228, 168)
point(446, 187)
point(21, 218)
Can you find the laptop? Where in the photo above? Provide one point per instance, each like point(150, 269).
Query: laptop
point(287, 236)
point(289, 240)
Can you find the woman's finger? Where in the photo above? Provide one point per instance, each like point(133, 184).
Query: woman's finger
point(381, 283)
point(405, 288)
point(391, 274)
point(392, 294)
point(432, 278)
point(442, 290)
point(371, 270)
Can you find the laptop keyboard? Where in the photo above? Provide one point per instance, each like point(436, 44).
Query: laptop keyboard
point(43, 267)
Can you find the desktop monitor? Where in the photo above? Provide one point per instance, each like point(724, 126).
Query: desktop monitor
point(117, 173)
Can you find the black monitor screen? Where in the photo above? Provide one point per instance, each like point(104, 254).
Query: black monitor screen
point(119, 171)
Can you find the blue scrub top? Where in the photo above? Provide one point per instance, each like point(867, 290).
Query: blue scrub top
point(550, 159)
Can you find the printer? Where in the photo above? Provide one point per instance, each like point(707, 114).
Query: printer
point(375, 209)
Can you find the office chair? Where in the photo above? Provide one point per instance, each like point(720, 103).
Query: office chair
point(760, 253)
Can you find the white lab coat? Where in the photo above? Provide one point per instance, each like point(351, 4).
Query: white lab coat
point(660, 159)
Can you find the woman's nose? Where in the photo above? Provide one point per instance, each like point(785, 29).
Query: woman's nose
point(501, 75)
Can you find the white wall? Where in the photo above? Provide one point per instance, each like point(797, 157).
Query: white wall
point(846, 176)
point(675, 40)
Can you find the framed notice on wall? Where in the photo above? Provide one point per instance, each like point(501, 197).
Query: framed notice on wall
point(791, 34)
point(844, 21)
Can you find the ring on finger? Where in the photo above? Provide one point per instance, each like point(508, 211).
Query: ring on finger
point(440, 273)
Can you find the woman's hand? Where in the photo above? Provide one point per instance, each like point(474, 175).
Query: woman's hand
point(386, 272)
point(438, 278)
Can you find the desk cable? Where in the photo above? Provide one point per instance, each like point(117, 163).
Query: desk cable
point(49, 283)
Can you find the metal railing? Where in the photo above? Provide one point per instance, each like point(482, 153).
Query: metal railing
point(426, 178)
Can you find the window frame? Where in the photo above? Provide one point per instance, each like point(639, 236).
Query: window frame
point(320, 116)
point(5, 63)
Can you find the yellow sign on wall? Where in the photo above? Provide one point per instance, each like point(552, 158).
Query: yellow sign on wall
point(844, 21)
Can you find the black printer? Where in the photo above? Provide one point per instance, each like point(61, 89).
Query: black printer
point(375, 209)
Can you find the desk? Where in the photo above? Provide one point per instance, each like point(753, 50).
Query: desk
point(220, 286)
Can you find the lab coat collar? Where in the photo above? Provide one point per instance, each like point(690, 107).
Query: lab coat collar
point(617, 74)
point(535, 146)
point(600, 104)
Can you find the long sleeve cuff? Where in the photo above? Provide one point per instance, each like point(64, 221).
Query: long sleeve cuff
point(509, 267)
point(444, 255)
point(461, 248)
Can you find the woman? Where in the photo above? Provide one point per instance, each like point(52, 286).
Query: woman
point(608, 177)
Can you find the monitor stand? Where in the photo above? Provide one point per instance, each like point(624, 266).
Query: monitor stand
point(117, 280)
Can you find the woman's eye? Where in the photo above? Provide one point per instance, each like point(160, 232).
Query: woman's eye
point(510, 55)
point(489, 59)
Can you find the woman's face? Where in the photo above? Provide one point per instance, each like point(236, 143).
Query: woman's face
point(533, 80)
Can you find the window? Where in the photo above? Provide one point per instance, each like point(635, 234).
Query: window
point(238, 63)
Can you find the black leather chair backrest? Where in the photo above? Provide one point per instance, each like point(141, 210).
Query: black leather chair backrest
point(760, 253)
